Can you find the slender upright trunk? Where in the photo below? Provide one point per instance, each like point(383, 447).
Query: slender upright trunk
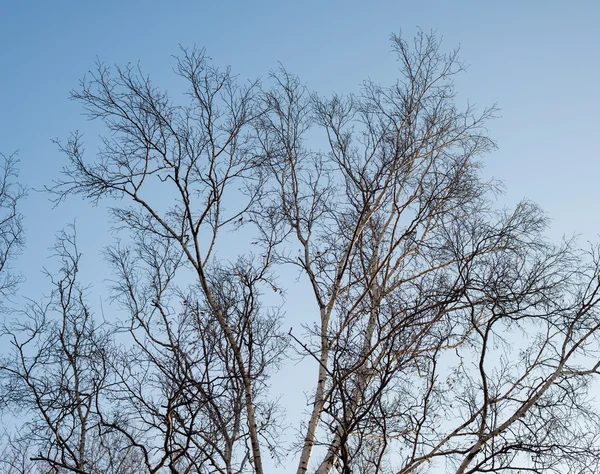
point(319, 402)
point(364, 376)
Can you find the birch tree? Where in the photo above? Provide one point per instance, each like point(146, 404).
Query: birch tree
point(449, 334)
point(446, 326)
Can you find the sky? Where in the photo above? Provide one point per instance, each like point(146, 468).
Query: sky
point(539, 60)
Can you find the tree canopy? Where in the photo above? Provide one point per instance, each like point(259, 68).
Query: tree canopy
point(446, 334)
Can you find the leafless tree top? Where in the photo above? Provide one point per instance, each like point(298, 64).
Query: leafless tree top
point(450, 335)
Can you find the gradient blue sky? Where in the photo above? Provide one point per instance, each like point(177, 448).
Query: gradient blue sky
point(538, 59)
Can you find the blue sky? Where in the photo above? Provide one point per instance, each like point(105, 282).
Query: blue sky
point(539, 60)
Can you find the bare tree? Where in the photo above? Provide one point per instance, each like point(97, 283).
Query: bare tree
point(11, 228)
point(191, 392)
point(449, 335)
point(445, 325)
point(55, 377)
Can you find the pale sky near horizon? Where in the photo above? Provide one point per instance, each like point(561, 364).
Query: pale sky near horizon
point(538, 60)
